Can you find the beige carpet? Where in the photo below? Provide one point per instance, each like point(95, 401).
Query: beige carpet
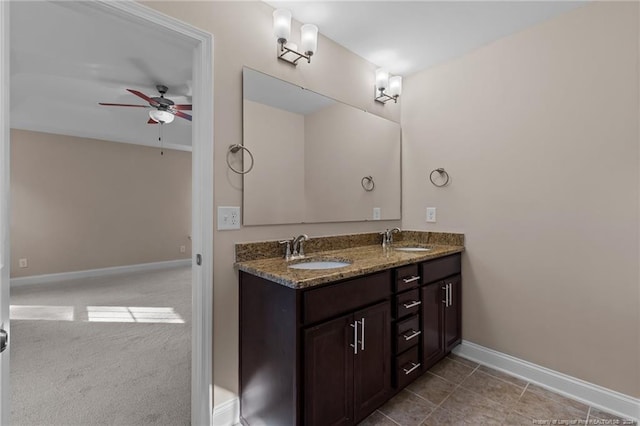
point(110, 351)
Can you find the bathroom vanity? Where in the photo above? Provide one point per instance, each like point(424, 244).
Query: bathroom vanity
point(328, 347)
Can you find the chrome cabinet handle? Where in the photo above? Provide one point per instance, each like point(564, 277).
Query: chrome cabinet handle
point(446, 295)
point(362, 337)
point(410, 280)
point(354, 345)
point(449, 286)
point(412, 369)
point(412, 335)
point(412, 304)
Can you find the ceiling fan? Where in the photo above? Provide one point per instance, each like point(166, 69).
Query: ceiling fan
point(162, 110)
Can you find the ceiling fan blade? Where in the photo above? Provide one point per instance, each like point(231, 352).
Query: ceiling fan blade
point(125, 105)
point(151, 101)
point(182, 107)
point(152, 121)
point(181, 115)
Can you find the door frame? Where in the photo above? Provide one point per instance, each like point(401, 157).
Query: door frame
point(5, 242)
point(202, 197)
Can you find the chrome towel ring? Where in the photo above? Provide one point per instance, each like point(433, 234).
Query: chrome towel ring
point(367, 183)
point(443, 174)
point(234, 149)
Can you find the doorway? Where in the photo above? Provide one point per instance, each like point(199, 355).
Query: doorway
point(202, 201)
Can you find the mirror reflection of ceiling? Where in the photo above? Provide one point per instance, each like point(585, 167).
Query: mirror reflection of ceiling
point(267, 90)
point(66, 57)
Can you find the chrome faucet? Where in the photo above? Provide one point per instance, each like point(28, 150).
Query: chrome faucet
point(296, 245)
point(287, 250)
point(387, 236)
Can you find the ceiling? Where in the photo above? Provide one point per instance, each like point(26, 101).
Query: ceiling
point(66, 56)
point(408, 36)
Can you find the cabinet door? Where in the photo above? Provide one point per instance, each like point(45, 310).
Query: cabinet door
point(453, 313)
point(432, 316)
point(328, 373)
point(372, 363)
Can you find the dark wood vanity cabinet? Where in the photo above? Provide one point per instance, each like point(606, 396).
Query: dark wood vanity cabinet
point(441, 295)
point(330, 355)
point(346, 367)
point(318, 356)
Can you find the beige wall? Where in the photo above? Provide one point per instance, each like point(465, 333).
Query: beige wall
point(243, 35)
point(80, 204)
point(274, 188)
point(539, 132)
point(342, 145)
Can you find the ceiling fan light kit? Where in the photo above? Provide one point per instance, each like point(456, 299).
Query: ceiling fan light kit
point(162, 116)
point(161, 109)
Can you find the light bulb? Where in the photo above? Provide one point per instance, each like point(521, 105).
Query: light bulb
point(382, 79)
point(160, 115)
point(282, 24)
point(395, 86)
point(309, 39)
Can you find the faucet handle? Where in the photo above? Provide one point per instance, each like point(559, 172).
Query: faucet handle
point(287, 254)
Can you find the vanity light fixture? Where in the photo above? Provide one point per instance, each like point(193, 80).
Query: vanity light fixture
point(288, 52)
point(387, 88)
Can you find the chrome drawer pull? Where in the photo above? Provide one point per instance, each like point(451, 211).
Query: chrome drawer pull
point(412, 369)
point(412, 304)
point(412, 279)
point(412, 335)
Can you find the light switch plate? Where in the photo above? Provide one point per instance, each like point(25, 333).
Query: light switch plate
point(228, 218)
point(376, 213)
point(431, 214)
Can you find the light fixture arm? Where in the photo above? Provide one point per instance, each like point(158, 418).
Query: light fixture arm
point(383, 98)
point(285, 50)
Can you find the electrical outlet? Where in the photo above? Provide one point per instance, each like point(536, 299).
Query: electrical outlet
point(183, 249)
point(376, 213)
point(228, 218)
point(23, 263)
point(431, 214)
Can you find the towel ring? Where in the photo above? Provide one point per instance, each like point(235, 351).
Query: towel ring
point(443, 174)
point(235, 148)
point(367, 183)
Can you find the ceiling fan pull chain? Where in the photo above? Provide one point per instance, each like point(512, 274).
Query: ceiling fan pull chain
point(160, 139)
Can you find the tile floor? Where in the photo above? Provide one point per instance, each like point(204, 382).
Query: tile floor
point(457, 391)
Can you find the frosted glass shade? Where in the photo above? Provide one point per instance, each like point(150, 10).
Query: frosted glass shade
point(309, 36)
point(282, 24)
point(159, 115)
point(382, 79)
point(395, 86)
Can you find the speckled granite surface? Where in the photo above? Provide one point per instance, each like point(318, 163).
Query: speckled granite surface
point(270, 249)
point(364, 258)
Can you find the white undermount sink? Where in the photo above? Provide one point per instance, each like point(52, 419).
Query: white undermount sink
point(320, 264)
point(412, 249)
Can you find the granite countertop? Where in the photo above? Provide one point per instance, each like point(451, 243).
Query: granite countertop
point(364, 260)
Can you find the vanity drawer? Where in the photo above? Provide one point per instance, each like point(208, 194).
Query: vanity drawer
point(438, 269)
point(406, 277)
point(407, 367)
point(408, 303)
point(345, 296)
point(407, 333)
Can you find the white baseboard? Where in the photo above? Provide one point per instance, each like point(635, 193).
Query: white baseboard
point(89, 273)
point(589, 393)
point(227, 413)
